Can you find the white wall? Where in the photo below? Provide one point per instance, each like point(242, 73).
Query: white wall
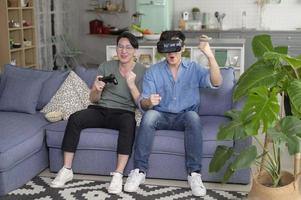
point(93, 45)
point(283, 16)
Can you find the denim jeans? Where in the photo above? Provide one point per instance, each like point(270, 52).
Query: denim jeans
point(153, 120)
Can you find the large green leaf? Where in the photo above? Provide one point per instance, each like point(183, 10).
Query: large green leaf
point(245, 158)
point(242, 161)
point(290, 125)
point(259, 74)
point(287, 132)
point(294, 93)
point(261, 44)
point(281, 49)
point(234, 129)
point(261, 107)
point(220, 157)
point(294, 62)
point(228, 173)
point(293, 145)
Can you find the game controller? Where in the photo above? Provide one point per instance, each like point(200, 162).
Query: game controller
point(109, 79)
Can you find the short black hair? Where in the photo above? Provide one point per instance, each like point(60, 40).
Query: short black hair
point(132, 39)
point(169, 35)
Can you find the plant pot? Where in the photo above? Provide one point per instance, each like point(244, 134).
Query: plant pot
point(289, 190)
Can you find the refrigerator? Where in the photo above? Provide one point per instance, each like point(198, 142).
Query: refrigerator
point(156, 14)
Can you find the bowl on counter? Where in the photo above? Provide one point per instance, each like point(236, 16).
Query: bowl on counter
point(155, 36)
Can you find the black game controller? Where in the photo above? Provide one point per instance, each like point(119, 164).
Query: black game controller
point(109, 79)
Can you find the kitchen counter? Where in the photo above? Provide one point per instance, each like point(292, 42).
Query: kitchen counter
point(195, 41)
point(241, 31)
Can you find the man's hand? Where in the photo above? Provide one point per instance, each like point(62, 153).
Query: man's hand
point(205, 48)
point(154, 99)
point(130, 77)
point(150, 102)
point(98, 85)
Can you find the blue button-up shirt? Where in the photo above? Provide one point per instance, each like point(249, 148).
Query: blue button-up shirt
point(180, 95)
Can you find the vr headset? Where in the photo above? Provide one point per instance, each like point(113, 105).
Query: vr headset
point(169, 46)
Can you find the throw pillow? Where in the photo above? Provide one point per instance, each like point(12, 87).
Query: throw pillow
point(138, 117)
point(72, 96)
point(21, 94)
point(26, 73)
point(50, 86)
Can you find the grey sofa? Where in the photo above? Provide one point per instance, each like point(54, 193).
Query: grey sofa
point(29, 143)
point(97, 147)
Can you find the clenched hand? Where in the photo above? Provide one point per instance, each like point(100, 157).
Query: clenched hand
point(98, 85)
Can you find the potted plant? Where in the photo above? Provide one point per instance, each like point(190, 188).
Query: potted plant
point(275, 73)
point(196, 13)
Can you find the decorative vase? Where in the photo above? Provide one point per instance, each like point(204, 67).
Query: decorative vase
point(261, 191)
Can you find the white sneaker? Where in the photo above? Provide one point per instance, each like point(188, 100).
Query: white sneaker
point(134, 180)
point(63, 176)
point(196, 184)
point(115, 186)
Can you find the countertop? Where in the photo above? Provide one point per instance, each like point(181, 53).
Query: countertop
point(241, 31)
point(195, 41)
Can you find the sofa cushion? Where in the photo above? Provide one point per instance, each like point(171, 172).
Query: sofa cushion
point(87, 74)
point(218, 101)
point(72, 96)
point(166, 141)
point(20, 136)
point(91, 138)
point(26, 73)
point(50, 86)
point(21, 94)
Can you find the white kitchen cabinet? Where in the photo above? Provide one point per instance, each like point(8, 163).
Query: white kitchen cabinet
point(233, 55)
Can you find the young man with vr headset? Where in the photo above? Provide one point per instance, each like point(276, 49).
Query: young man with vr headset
point(171, 100)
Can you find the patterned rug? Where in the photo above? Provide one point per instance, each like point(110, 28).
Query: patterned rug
point(38, 189)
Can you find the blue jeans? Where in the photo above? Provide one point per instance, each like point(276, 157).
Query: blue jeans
point(153, 120)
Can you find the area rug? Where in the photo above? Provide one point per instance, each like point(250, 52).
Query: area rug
point(38, 189)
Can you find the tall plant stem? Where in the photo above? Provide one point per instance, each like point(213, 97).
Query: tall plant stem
point(267, 153)
point(264, 157)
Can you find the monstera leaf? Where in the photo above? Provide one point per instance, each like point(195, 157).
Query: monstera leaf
point(244, 160)
point(234, 130)
point(281, 49)
point(294, 93)
point(261, 107)
point(221, 155)
point(259, 74)
point(289, 132)
point(261, 44)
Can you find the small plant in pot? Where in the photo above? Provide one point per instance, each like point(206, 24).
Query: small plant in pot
point(273, 75)
point(196, 13)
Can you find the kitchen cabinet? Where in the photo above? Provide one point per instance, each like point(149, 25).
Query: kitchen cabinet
point(230, 51)
point(18, 38)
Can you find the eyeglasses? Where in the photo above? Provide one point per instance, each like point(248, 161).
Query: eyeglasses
point(127, 47)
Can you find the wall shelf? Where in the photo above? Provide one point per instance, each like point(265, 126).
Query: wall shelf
point(101, 11)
